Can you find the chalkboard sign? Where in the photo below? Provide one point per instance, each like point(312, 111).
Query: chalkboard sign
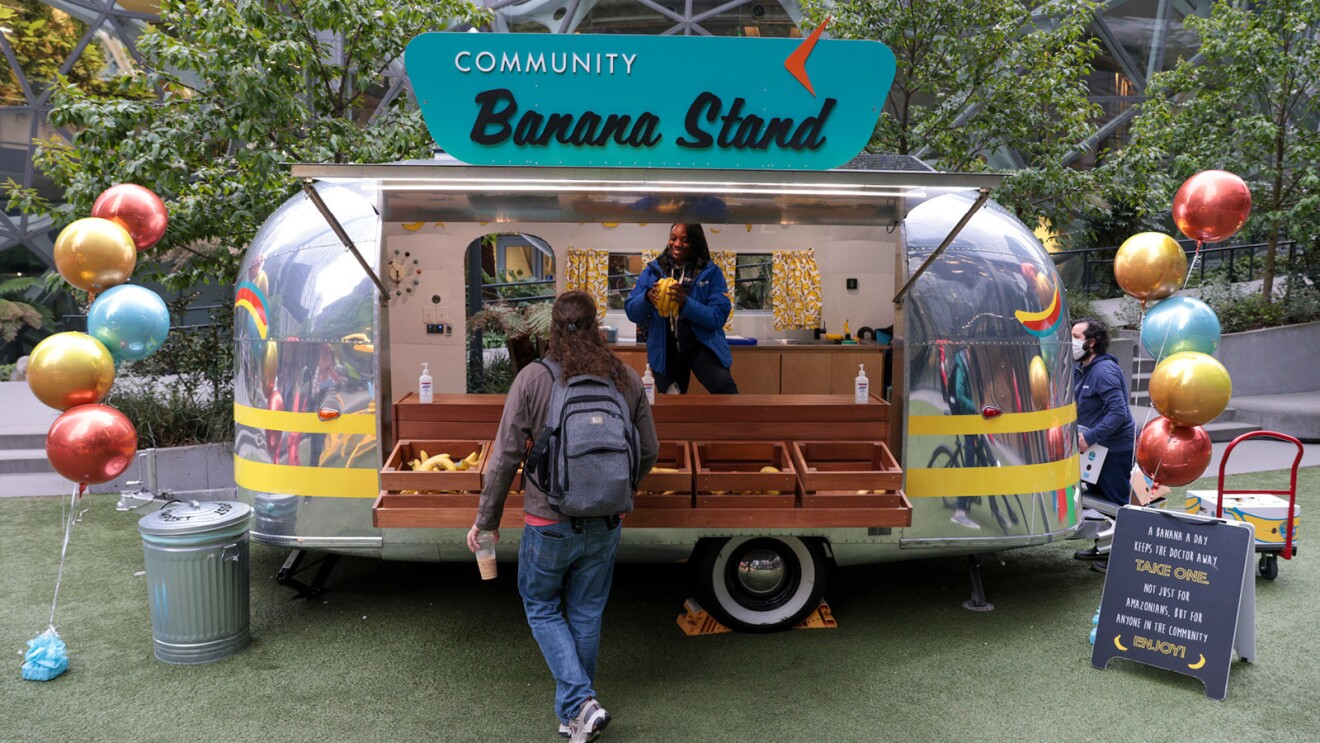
point(1178, 595)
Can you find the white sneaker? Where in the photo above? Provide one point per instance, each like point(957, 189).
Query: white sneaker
point(564, 732)
point(591, 719)
point(960, 517)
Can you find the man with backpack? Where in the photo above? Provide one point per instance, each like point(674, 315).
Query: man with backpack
point(592, 439)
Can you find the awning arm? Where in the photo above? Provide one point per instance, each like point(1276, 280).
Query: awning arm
point(948, 240)
point(343, 237)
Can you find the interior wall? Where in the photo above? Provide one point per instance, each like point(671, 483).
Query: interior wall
point(863, 253)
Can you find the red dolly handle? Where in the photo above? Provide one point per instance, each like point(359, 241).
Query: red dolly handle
point(1291, 491)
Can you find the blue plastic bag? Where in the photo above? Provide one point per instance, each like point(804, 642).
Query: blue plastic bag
point(46, 657)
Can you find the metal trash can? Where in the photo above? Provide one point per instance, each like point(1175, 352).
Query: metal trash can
point(197, 579)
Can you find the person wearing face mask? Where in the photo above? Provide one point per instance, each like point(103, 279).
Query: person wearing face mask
point(1103, 418)
point(693, 342)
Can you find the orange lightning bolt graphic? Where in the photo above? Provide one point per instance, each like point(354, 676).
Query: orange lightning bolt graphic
point(796, 64)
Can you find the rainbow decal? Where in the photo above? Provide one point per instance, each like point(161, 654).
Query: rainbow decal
point(1043, 324)
point(251, 298)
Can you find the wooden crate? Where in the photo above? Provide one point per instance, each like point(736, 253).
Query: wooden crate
point(396, 476)
point(728, 474)
point(831, 474)
point(652, 491)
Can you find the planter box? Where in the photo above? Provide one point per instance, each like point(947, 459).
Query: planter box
point(397, 476)
point(848, 474)
point(728, 475)
point(668, 489)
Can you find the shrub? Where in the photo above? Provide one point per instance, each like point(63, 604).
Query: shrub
point(174, 411)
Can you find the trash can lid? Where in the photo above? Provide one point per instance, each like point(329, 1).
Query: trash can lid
point(194, 517)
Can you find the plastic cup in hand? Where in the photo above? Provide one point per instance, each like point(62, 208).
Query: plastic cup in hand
point(486, 555)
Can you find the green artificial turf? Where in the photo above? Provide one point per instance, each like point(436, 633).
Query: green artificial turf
point(412, 652)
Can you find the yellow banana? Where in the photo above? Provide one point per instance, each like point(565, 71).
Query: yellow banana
point(439, 460)
point(472, 458)
point(769, 468)
point(667, 306)
point(1118, 644)
point(1198, 664)
point(421, 454)
point(447, 463)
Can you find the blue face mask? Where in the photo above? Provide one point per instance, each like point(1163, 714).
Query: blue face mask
point(1079, 349)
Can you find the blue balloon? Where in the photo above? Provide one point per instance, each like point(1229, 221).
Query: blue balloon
point(132, 321)
point(1180, 324)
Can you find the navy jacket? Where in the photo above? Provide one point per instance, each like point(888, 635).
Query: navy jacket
point(707, 308)
point(1102, 404)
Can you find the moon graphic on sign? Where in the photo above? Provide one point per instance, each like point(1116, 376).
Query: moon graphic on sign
point(1118, 644)
point(1197, 664)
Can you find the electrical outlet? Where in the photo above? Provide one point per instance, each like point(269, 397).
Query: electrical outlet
point(852, 284)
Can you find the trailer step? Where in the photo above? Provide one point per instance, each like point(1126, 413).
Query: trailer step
point(696, 621)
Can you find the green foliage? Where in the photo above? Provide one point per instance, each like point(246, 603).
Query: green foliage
point(1239, 310)
point(174, 411)
point(522, 285)
point(247, 86)
point(15, 315)
point(183, 393)
point(42, 39)
point(1081, 305)
point(1247, 105)
point(976, 77)
point(528, 320)
point(495, 377)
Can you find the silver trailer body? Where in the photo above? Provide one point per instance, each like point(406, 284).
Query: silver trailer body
point(992, 469)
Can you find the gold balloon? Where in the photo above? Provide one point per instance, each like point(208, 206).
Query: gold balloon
point(270, 365)
point(1150, 265)
point(70, 369)
point(1039, 377)
point(1190, 388)
point(95, 254)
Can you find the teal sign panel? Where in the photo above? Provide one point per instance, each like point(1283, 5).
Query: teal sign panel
point(649, 101)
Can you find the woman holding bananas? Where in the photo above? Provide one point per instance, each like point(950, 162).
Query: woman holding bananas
point(684, 297)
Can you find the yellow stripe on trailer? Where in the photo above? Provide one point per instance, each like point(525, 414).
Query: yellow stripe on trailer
point(280, 420)
point(972, 425)
point(958, 482)
point(324, 482)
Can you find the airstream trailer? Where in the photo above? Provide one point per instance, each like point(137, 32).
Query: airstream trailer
point(356, 281)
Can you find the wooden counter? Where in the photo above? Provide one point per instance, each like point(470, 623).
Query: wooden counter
point(746, 417)
point(773, 369)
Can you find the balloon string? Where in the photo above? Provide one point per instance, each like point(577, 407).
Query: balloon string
point(1168, 329)
point(69, 518)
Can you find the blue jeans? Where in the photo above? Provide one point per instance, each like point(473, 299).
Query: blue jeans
point(555, 563)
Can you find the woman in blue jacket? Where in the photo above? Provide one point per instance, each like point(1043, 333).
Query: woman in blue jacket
point(693, 342)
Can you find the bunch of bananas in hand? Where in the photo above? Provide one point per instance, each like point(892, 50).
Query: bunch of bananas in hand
point(442, 462)
point(666, 305)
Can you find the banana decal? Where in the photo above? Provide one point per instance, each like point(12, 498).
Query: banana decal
point(1118, 643)
point(1198, 664)
point(412, 226)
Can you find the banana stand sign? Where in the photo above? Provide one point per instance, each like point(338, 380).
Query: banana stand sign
point(1179, 595)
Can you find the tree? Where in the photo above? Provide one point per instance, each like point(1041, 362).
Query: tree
point(246, 86)
point(42, 38)
point(1247, 105)
point(982, 84)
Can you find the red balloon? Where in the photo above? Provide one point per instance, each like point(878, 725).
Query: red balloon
point(1171, 454)
point(91, 443)
point(1212, 206)
point(136, 209)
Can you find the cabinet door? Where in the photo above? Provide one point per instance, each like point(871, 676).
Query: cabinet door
point(843, 371)
point(756, 372)
point(806, 373)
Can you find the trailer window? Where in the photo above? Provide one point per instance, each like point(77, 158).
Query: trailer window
point(751, 284)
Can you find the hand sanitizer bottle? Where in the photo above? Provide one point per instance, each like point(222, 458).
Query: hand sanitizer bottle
point(648, 385)
point(424, 393)
point(861, 386)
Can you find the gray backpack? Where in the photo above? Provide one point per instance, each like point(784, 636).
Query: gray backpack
point(586, 458)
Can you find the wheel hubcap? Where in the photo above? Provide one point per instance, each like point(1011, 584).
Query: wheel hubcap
point(761, 572)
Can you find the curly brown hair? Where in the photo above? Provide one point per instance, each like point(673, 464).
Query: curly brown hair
point(576, 343)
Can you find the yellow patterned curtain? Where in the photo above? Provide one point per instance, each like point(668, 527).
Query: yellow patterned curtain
point(795, 290)
point(728, 263)
point(588, 270)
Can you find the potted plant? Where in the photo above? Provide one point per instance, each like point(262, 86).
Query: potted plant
point(525, 327)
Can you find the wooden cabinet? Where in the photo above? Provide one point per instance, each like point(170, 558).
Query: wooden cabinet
point(798, 370)
point(806, 373)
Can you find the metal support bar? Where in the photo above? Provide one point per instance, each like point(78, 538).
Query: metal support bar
point(948, 240)
point(977, 602)
point(293, 565)
point(343, 237)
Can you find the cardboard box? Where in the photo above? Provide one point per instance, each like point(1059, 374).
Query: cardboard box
point(1266, 512)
